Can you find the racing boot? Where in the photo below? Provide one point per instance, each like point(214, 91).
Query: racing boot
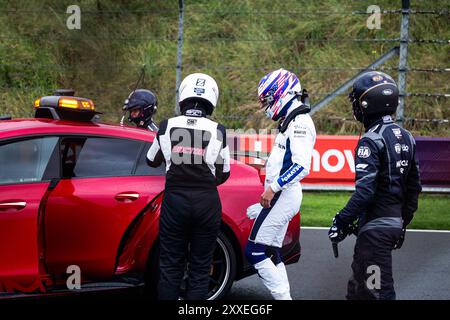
point(282, 271)
point(274, 279)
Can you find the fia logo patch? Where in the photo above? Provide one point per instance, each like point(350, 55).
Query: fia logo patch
point(363, 152)
point(398, 148)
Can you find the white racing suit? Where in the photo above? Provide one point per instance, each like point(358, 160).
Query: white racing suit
point(288, 163)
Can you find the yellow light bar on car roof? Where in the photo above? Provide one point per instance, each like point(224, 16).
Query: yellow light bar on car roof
point(37, 103)
point(68, 103)
point(74, 103)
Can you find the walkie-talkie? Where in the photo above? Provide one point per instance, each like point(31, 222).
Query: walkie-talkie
point(335, 249)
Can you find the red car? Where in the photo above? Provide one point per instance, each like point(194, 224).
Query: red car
point(74, 191)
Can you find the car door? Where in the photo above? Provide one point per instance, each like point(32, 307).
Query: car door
point(90, 209)
point(26, 169)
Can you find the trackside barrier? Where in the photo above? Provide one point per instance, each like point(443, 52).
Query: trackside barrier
point(332, 165)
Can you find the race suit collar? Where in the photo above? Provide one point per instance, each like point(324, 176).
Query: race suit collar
point(294, 105)
point(370, 123)
point(292, 113)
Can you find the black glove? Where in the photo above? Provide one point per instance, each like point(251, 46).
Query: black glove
point(336, 232)
point(340, 230)
point(400, 240)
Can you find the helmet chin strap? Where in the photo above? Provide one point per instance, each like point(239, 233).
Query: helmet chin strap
point(361, 128)
point(361, 121)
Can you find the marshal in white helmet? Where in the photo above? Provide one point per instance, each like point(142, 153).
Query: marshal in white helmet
point(195, 151)
point(199, 87)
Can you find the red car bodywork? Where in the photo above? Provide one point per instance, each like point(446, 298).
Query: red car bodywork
point(107, 226)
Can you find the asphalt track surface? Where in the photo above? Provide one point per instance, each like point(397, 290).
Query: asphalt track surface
point(421, 269)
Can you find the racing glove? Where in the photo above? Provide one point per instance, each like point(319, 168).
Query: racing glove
point(400, 240)
point(253, 211)
point(336, 234)
point(339, 230)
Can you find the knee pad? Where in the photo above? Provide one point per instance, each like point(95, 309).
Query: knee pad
point(255, 252)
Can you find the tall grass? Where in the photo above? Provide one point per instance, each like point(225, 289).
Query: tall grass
point(103, 59)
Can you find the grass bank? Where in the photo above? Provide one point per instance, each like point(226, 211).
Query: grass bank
point(319, 208)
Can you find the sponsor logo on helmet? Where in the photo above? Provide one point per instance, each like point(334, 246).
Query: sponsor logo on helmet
point(194, 113)
point(363, 152)
point(387, 92)
point(377, 78)
point(199, 91)
point(200, 82)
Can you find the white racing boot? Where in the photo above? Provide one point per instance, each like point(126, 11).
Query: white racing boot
point(274, 279)
point(282, 270)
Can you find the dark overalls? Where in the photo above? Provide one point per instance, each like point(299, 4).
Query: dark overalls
point(384, 201)
point(197, 159)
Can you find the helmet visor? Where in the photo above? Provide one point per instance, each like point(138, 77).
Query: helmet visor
point(266, 102)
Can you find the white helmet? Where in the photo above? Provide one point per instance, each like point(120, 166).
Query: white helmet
point(199, 86)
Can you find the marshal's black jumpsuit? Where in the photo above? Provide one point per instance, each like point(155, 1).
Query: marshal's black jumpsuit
point(197, 159)
point(385, 199)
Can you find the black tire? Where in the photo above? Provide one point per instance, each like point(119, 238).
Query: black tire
point(223, 268)
point(222, 275)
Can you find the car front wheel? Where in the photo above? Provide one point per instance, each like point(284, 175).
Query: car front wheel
point(223, 268)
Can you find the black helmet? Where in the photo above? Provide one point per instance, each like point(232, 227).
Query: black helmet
point(146, 102)
point(374, 94)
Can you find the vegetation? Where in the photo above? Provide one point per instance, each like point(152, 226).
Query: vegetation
point(319, 208)
point(237, 42)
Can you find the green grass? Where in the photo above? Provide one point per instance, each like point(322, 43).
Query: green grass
point(319, 208)
point(102, 60)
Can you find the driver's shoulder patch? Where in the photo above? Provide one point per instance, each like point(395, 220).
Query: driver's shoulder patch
point(363, 152)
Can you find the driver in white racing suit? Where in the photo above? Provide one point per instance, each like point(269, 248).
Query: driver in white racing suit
point(281, 97)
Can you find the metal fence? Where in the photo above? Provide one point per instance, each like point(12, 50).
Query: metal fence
point(402, 50)
point(400, 47)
